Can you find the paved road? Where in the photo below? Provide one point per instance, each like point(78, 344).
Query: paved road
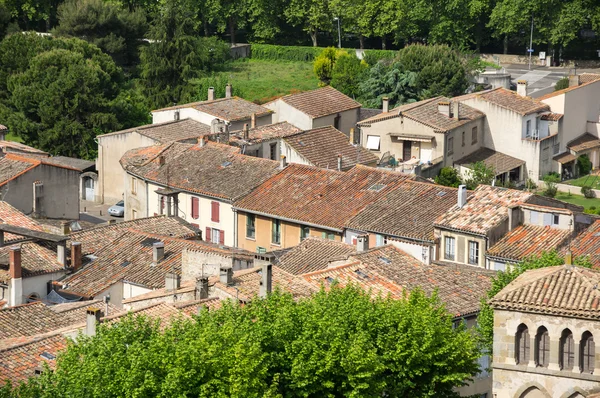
point(96, 213)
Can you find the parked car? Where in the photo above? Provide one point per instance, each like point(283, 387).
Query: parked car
point(117, 210)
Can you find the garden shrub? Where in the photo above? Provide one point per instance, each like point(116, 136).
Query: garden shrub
point(285, 53)
point(584, 165)
point(587, 191)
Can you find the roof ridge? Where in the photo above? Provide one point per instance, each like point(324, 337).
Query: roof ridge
point(328, 269)
point(544, 273)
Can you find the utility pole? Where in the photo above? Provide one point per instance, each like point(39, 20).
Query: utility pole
point(531, 42)
point(339, 32)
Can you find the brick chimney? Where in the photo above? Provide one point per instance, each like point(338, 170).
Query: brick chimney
point(266, 280)
point(211, 93)
point(75, 256)
point(228, 90)
point(444, 108)
point(574, 80)
point(16, 281)
point(522, 88)
point(456, 110)
point(158, 252)
point(385, 104)
point(226, 275)
point(92, 318)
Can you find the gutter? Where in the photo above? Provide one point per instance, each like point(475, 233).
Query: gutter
point(308, 224)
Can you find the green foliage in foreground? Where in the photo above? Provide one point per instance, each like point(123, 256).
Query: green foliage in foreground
point(340, 343)
point(448, 176)
point(485, 319)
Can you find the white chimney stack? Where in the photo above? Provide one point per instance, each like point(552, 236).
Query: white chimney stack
point(522, 88)
point(202, 288)
point(228, 90)
point(386, 104)
point(172, 281)
point(282, 162)
point(266, 280)
point(444, 108)
point(362, 243)
point(339, 162)
point(456, 110)
point(226, 275)
point(253, 121)
point(211, 93)
point(93, 317)
point(574, 80)
point(462, 196)
point(246, 132)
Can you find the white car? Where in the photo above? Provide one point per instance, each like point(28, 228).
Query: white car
point(118, 209)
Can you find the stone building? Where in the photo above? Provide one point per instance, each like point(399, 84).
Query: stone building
point(544, 327)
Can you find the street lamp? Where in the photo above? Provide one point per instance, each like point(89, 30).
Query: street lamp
point(339, 32)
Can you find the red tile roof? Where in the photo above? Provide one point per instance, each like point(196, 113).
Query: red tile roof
point(37, 258)
point(322, 146)
point(587, 243)
point(313, 254)
point(584, 142)
point(318, 196)
point(562, 290)
point(528, 240)
point(512, 101)
point(267, 132)
point(500, 162)
point(13, 166)
point(553, 117)
point(171, 131)
point(231, 109)
point(321, 102)
point(214, 170)
point(10, 215)
point(7, 146)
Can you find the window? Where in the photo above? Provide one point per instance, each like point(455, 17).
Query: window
point(542, 348)
point(133, 185)
point(587, 352)
point(276, 232)
point(336, 122)
point(379, 240)
point(528, 129)
point(534, 218)
point(133, 214)
point(555, 219)
point(474, 135)
point(449, 248)
point(162, 204)
point(250, 226)
point(463, 139)
point(522, 345)
point(373, 142)
point(331, 236)
point(273, 151)
point(304, 232)
point(195, 208)
point(214, 211)
point(473, 252)
point(218, 236)
point(555, 149)
point(450, 146)
point(567, 350)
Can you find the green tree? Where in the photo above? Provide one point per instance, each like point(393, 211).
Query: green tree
point(448, 176)
point(176, 56)
point(117, 31)
point(550, 182)
point(561, 84)
point(485, 319)
point(584, 165)
point(312, 15)
point(480, 174)
point(386, 79)
point(341, 343)
point(228, 15)
point(347, 74)
point(325, 62)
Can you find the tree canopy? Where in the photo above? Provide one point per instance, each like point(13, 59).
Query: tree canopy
point(341, 343)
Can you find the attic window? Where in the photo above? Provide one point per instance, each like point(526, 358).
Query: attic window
point(125, 263)
point(385, 260)
point(441, 193)
point(226, 164)
point(361, 274)
point(48, 356)
point(329, 279)
point(301, 143)
point(377, 187)
point(148, 242)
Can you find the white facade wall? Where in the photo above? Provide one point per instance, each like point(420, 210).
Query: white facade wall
point(348, 120)
point(423, 253)
point(34, 284)
point(294, 157)
point(286, 113)
point(132, 290)
point(115, 291)
point(204, 118)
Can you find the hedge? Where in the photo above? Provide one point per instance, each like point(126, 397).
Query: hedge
point(284, 53)
point(371, 57)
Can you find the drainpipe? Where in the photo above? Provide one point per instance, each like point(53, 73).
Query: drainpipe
point(235, 227)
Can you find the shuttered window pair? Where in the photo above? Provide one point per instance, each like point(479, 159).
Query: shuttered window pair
point(215, 235)
point(522, 345)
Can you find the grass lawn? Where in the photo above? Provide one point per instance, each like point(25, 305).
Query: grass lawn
point(579, 200)
point(261, 81)
point(591, 180)
point(11, 137)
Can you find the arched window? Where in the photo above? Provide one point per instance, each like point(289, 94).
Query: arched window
point(542, 347)
point(522, 345)
point(567, 350)
point(587, 352)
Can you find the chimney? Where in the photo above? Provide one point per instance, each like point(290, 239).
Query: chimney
point(3, 135)
point(444, 108)
point(172, 281)
point(158, 252)
point(75, 256)
point(352, 135)
point(266, 280)
point(61, 255)
point(228, 90)
point(339, 162)
point(16, 282)
point(362, 243)
point(202, 288)
point(111, 222)
point(456, 110)
point(253, 121)
point(93, 317)
point(202, 141)
point(462, 196)
point(282, 162)
point(176, 114)
point(246, 132)
point(226, 275)
point(386, 104)
point(38, 190)
point(161, 160)
point(569, 258)
point(211, 93)
point(522, 88)
point(65, 227)
point(574, 81)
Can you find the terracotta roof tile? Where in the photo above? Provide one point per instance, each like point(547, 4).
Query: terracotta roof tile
point(553, 117)
point(318, 196)
point(171, 131)
point(10, 215)
point(528, 240)
point(587, 243)
point(8, 146)
point(564, 157)
point(260, 134)
point(562, 290)
point(215, 170)
point(37, 258)
point(501, 162)
point(313, 254)
point(513, 101)
point(366, 113)
point(231, 109)
point(12, 166)
point(321, 147)
point(191, 308)
point(321, 102)
point(584, 142)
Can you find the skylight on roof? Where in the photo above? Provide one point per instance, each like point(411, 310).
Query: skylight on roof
point(125, 263)
point(329, 279)
point(385, 260)
point(361, 274)
point(441, 193)
point(376, 187)
point(48, 356)
point(148, 242)
point(226, 164)
point(301, 143)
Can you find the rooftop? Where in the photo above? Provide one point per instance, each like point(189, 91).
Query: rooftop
point(512, 101)
point(486, 207)
point(563, 290)
point(37, 258)
point(408, 211)
point(527, 240)
point(321, 102)
point(175, 130)
point(587, 243)
point(585, 79)
point(366, 113)
point(500, 162)
point(13, 166)
point(316, 196)
point(214, 170)
point(8, 146)
point(426, 112)
point(313, 254)
point(267, 132)
point(11, 216)
point(321, 147)
point(74, 163)
point(584, 142)
point(231, 109)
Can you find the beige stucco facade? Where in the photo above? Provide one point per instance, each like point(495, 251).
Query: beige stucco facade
point(461, 247)
point(168, 115)
point(512, 380)
point(290, 233)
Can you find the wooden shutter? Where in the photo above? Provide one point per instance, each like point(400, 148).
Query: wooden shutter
point(526, 346)
point(214, 207)
point(588, 354)
point(195, 208)
point(544, 349)
point(207, 236)
point(221, 237)
point(570, 358)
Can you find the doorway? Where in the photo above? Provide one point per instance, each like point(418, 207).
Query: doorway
point(406, 150)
